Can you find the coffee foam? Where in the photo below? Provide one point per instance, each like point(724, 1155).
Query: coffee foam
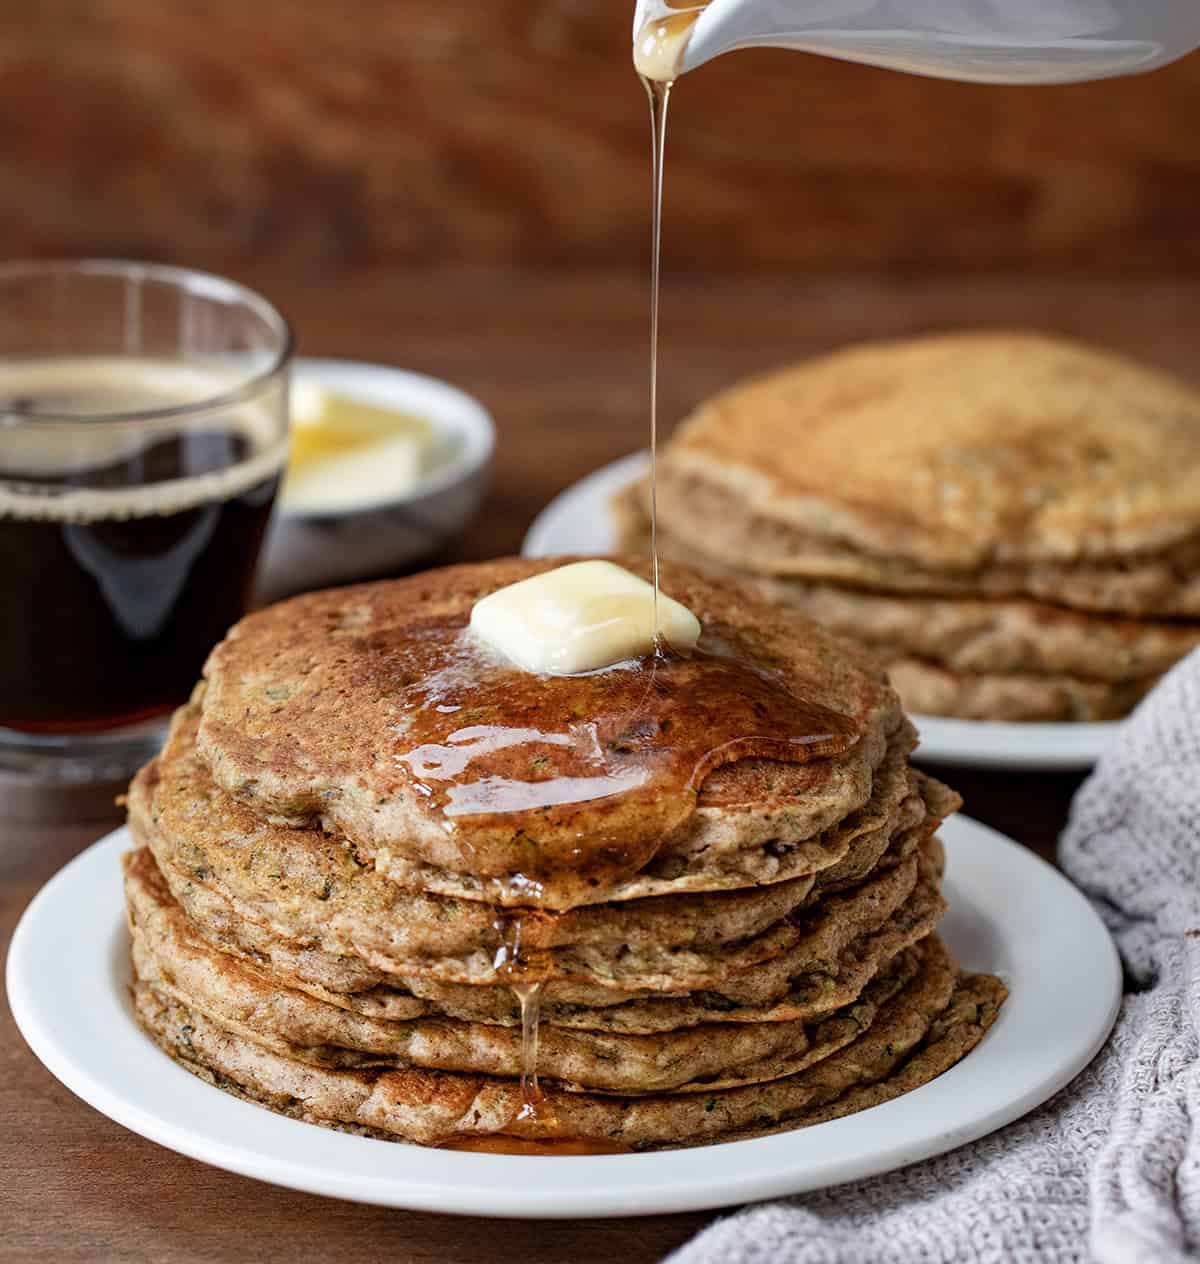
point(108, 386)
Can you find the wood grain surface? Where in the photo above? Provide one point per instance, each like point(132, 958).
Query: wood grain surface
point(561, 361)
point(324, 137)
point(460, 188)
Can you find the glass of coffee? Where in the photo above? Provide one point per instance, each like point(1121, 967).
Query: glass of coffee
point(143, 433)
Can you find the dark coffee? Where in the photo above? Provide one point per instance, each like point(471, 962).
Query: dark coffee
point(119, 576)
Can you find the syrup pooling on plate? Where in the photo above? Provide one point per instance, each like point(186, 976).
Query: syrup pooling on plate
point(549, 1146)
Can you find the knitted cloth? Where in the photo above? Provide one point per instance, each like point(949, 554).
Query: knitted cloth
point(1110, 1168)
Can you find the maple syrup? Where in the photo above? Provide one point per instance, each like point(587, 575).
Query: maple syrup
point(534, 1120)
point(535, 1128)
point(663, 38)
point(659, 94)
point(594, 769)
point(550, 1146)
point(657, 56)
point(564, 786)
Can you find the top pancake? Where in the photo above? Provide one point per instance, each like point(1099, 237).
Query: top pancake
point(306, 703)
point(951, 454)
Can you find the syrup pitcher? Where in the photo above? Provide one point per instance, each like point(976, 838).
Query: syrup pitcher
point(981, 41)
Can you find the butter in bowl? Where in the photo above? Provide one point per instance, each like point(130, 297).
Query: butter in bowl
point(386, 467)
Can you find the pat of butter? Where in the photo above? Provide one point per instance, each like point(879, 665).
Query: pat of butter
point(347, 452)
point(579, 618)
point(367, 474)
point(318, 412)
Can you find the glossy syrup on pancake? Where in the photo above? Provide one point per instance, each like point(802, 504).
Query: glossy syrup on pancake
point(535, 1128)
point(586, 774)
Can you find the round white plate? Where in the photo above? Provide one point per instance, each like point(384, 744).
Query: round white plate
point(1011, 913)
point(578, 521)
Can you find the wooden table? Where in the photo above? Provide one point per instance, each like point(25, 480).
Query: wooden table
point(561, 362)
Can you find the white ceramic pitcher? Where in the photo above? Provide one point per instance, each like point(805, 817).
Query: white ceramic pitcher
point(983, 41)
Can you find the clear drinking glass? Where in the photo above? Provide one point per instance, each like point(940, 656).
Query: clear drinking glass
point(143, 432)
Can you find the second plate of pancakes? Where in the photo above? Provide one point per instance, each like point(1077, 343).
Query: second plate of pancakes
point(580, 521)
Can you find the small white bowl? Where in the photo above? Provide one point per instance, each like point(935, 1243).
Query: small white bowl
point(316, 548)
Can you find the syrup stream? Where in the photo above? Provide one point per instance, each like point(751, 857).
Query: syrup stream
point(533, 1106)
point(534, 1117)
point(534, 1120)
point(534, 1125)
point(659, 94)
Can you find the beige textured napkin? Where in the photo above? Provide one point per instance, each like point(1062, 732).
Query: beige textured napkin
point(1110, 1168)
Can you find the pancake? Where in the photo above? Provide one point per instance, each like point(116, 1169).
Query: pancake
point(996, 637)
point(995, 659)
point(305, 701)
point(1160, 586)
point(248, 1001)
point(945, 456)
point(992, 636)
point(303, 879)
point(797, 985)
point(930, 689)
point(839, 947)
point(338, 934)
point(372, 853)
point(992, 658)
point(844, 852)
point(178, 794)
point(312, 891)
point(1163, 586)
point(926, 1026)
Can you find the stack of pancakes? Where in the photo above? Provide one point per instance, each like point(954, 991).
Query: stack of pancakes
point(1010, 522)
point(311, 934)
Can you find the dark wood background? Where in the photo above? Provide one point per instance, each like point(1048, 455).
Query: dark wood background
point(269, 135)
point(460, 186)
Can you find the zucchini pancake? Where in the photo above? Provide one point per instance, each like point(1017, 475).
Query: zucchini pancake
point(1009, 521)
point(388, 882)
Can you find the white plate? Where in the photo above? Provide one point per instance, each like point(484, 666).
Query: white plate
point(1011, 913)
point(578, 521)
